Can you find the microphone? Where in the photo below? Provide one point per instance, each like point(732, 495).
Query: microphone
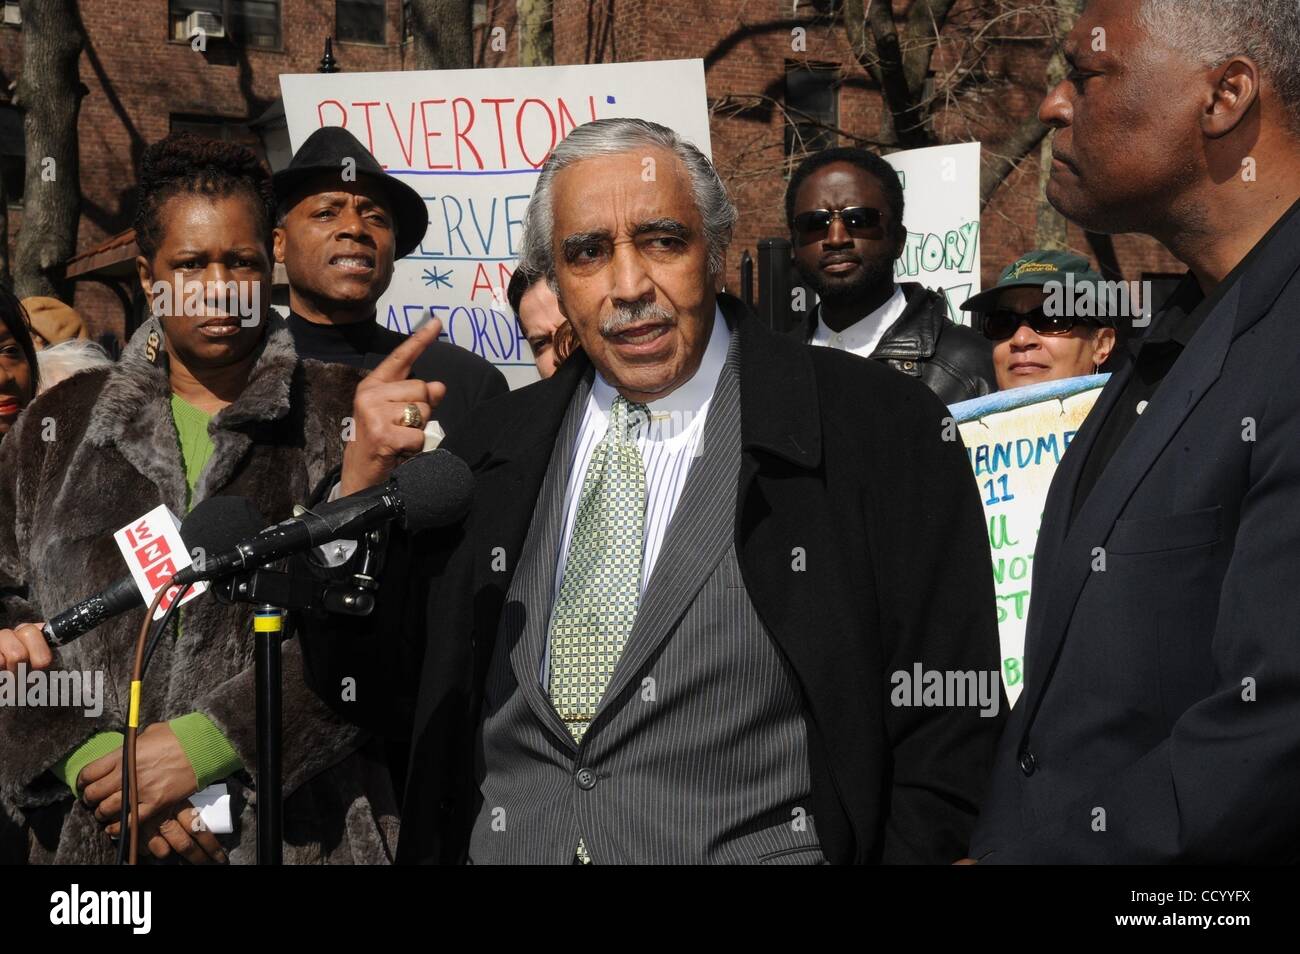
point(214, 525)
point(433, 489)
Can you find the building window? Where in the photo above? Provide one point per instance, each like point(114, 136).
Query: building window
point(255, 22)
point(360, 21)
point(250, 23)
point(811, 107)
point(13, 13)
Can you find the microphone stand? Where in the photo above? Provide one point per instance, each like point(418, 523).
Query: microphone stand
point(268, 627)
point(272, 592)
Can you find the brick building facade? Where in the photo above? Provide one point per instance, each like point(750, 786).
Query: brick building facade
point(144, 80)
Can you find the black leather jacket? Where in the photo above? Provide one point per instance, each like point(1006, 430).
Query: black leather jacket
point(955, 362)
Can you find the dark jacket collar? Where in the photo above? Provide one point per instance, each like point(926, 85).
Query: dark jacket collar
point(915, 335)
point(136, 379)
point(779, 408)
point(133, 411)
point(1268, 269)
point(1263, 273)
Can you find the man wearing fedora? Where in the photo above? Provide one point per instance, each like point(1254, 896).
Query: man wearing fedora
point(340, 225)
point(341, 222)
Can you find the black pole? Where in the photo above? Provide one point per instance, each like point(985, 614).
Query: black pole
point(774, 283)
point(268, 625)
point(328, 64)
point(747, 278)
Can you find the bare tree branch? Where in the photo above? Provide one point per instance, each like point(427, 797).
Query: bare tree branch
point(998, 165)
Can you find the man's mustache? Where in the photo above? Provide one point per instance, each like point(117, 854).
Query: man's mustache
point(628, 316)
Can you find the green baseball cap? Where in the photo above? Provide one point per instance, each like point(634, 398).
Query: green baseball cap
point(1036, 268)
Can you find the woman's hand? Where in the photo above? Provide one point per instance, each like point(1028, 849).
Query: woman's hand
point(182, 832)
point(24, 643)
point(165, 776)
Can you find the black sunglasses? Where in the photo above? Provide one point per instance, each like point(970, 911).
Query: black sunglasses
point(858, 220)
point(1004, 323)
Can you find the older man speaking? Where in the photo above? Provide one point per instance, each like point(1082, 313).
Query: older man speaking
point(1161, 715)
point(721, 597)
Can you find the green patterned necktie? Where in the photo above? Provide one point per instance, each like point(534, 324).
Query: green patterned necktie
point(600, 591)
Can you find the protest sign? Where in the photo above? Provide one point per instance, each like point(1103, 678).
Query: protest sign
point(471, 143)
point(941, 196)
point(1015, 440)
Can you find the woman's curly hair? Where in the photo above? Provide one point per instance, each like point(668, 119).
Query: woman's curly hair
point(187, 164)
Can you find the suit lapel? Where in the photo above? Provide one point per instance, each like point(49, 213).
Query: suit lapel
point(1191, 376)
point(701, 529)
point(535, 577)
point(1065, 484)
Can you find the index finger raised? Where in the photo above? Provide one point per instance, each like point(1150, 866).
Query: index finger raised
point(397, 366)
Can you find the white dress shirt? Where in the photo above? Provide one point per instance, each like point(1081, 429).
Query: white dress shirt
point(863, 336)
point(667, 447)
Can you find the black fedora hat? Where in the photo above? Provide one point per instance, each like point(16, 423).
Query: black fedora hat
point(325, 150)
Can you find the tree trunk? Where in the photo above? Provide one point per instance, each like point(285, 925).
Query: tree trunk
point(49, 93)
point(536, 37)
point(443, 33)
point(876, 45)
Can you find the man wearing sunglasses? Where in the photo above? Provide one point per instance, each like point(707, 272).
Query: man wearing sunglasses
point(844, 208)
point(1033, 342)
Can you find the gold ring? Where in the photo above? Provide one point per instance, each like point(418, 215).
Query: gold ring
point(411, 417)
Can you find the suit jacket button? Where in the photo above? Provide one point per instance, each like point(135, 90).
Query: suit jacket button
point(586, 779)
point(1028, 764)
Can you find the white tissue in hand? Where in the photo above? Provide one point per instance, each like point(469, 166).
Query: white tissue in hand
point(433, 435)
point(213, 804)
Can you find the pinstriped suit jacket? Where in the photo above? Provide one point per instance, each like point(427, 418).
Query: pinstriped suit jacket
point(698, 752)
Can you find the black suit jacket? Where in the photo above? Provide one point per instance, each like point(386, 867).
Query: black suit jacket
point(844, 463)
point(1161, 716)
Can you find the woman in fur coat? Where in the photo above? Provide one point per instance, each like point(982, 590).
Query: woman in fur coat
point(209, 398)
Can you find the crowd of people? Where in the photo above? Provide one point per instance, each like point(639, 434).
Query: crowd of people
point(702, 556)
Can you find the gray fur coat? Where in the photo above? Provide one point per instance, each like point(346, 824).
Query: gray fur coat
point(85, 459)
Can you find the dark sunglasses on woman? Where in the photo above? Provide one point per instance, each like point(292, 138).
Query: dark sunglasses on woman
point(1002, 324)
point(858, 221)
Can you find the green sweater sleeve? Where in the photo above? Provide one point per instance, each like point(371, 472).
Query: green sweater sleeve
point(97, 746)
point(211, 756)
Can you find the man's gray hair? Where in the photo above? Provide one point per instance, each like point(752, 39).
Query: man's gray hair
point(611, 137)
point(1213, 31)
